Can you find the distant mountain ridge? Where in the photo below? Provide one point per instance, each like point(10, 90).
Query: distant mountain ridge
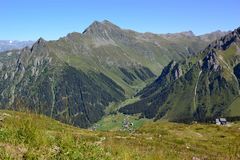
point(12, 44)
point(75, 78)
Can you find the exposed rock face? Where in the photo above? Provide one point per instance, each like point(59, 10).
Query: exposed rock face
point(236, 70)
point(224, 42)
point(210, 62)
point(169, 74)
point(177, 72)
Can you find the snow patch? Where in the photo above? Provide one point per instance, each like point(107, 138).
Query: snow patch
point(9, 53)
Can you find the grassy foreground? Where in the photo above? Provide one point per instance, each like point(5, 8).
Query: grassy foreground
point(29, 136)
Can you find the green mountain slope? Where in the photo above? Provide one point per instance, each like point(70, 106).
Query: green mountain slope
point(42, 83)
point(200, 88)
point(75, 78)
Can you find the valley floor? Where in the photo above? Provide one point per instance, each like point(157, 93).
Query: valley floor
point(30, 136)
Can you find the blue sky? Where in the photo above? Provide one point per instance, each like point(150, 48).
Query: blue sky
point(51, 19)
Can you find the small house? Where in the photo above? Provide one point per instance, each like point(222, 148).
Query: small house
point(221, 121)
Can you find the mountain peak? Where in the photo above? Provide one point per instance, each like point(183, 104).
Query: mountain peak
point(106, 22)
point(180, 34)
point(101, 22)
point(40, 40)
point(188, 33)
point(95, 23)
point(97, 26)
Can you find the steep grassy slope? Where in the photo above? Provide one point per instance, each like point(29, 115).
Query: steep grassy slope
point(36, 79)
point(200, 88)
point(30, 136)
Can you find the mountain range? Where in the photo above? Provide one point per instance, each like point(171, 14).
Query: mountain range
point(75, 78)
point(9, 44)
point(199, 88)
